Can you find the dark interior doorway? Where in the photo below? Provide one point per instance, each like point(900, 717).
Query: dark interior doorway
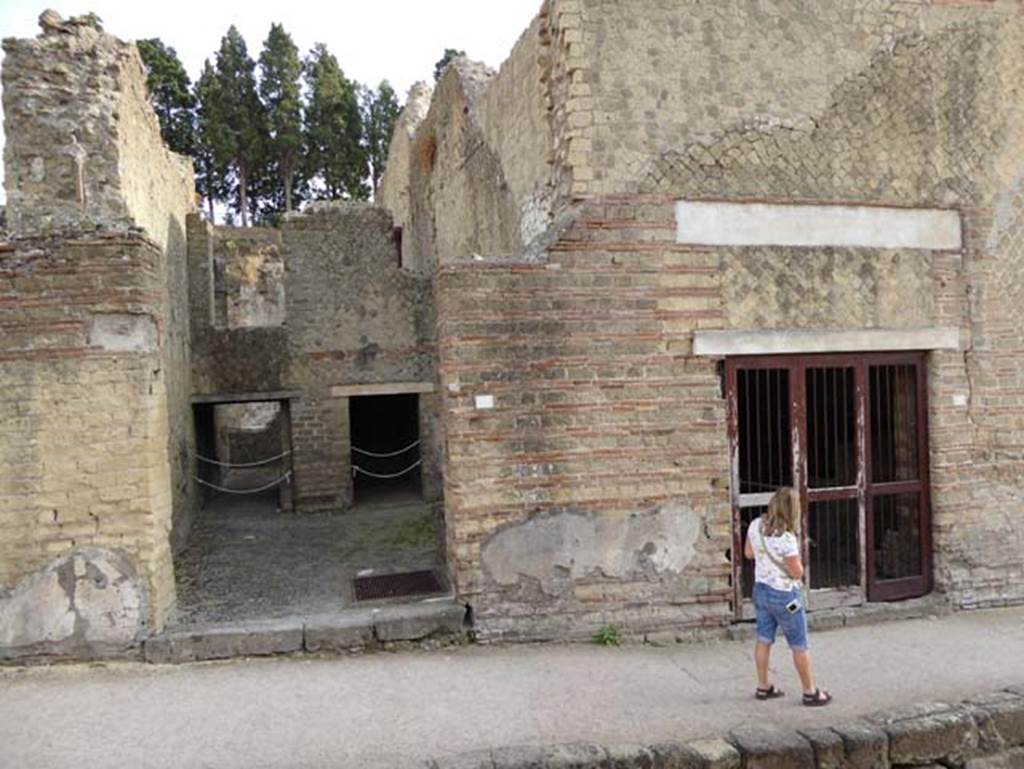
point(385, 447)
point(243, 453)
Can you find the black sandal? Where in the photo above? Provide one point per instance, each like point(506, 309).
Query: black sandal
point(770, 693)
point(818, 699)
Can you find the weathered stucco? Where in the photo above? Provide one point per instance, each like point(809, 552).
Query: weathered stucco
point(565, 547)
point(86, 603)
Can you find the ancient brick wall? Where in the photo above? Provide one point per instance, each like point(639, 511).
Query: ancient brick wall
point(355, 317)
point(352, 316)
point(96, 337)
point(84, 407)
point(596, 489)
point(83, 145)
point(235, 350)
point(393, 192)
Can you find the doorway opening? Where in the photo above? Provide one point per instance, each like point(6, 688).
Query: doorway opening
point(849, 433)
point(385, 448)
point(243, 453)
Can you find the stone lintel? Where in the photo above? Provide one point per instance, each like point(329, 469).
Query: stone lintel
point(793, 341)
point(393, 388)
point(249, 397)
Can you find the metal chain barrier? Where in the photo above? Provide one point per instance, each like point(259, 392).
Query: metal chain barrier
point(241, 464)
point(414, 465)
point(270, 485)
point(390, 454)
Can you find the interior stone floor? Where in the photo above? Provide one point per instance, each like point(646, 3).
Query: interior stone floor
point(246, 561)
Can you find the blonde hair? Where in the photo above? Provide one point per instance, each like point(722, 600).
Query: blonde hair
point(783, 513)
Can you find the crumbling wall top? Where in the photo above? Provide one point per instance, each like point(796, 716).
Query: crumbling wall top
point(83, 148)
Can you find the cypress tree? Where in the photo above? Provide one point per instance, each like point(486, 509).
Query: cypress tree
point(380, 111)
point(281, 93)
point(242, 134)
point(170, 94)
point(212, 177)
point(335, 155)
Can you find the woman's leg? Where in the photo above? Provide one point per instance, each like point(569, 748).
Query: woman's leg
point(762, 654)
point(766, 627)
point(802, 663)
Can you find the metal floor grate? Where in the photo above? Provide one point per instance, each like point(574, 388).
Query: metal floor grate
point(395, 585)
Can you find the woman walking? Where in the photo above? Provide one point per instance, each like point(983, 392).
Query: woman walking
point(778, 573)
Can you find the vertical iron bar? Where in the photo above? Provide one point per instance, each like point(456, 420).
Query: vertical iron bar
point(771, 418)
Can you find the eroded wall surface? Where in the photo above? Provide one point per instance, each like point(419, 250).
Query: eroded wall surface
point(96, 432)
point(482, 172)
point(355, 317)
point(345, 313)
point(596, 489)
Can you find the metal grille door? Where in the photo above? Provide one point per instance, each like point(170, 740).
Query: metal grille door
point(848, 432)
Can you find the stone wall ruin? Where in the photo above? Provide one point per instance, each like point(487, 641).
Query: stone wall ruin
point(96, 436)
point(604, 417)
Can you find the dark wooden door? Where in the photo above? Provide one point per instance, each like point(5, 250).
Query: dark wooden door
point(849, 433)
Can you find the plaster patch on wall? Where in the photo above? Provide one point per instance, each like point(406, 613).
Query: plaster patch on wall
point(535, 217)
point(715, 223)
point(123, 332)
point(571, 546)
point(87, 602)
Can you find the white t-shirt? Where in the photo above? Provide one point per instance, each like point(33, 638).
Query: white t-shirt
point(765, 568)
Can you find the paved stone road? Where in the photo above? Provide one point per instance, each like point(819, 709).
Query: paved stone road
point(386, 709)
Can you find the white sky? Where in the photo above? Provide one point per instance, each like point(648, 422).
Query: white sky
point(373, 40)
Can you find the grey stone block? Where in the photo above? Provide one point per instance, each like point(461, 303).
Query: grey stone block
point(1009, 759)
point(518, 757)
point(949, 736)
point(866, 746)
point(675, 755)
point(477, 759)
point(413, 622)
point(576, 755)
point(715, 754)
point(1005, 715)
point(629, 756)
point(829, 751)
point(208, 642)
point(339, 632)
point(771, 747)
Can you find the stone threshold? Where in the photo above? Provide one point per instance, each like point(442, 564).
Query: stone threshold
point(343, 631)
point(985, 732)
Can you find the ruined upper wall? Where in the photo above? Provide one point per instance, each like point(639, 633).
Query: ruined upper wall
point(393, 193)
point(83, 148)
point(484, 172)
point(659, 75)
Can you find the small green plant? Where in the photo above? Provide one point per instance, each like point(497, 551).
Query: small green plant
point(608, 635)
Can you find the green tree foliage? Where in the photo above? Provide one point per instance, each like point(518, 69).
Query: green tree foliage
point(170, 92)
point(444, 61)
point(380, 111)
point(281, 93)
point(335, 155)
point(241, 141)
point(212, 178)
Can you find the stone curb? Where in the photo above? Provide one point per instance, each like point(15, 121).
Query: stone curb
point(985, 732)
point(343, 632)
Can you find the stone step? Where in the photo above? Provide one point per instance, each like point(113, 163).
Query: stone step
point(343, 631)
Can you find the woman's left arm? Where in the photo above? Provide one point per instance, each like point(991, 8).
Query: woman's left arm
point(748, 549)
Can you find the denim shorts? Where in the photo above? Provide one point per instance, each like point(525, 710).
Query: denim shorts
point(772, 615)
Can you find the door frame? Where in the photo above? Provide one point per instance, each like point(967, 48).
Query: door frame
point(864, 490)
